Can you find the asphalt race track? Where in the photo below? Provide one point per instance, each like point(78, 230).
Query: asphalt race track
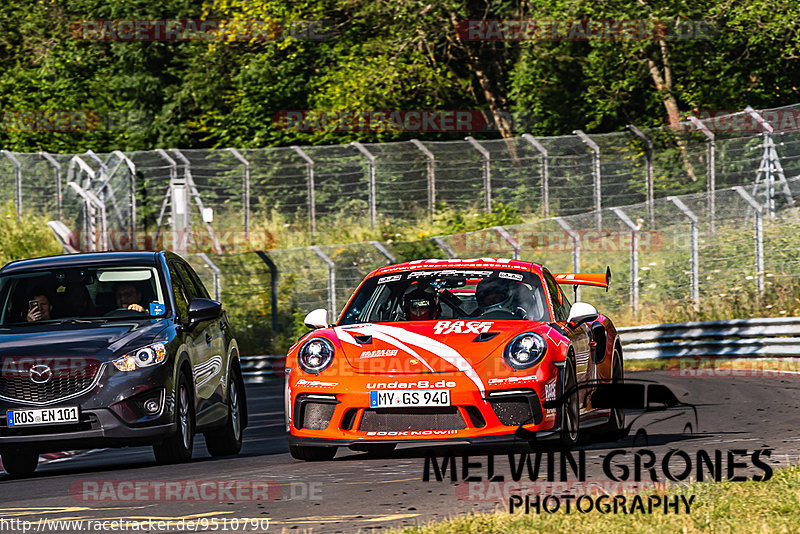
point(356, 492)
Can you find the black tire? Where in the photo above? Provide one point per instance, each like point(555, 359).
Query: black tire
point(20, 463)
point(178, 448)
point(227, 441)
point(570, 409)
point(312, 454)
point(615, 429)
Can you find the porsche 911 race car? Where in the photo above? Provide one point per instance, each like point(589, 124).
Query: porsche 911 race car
point(452, 350)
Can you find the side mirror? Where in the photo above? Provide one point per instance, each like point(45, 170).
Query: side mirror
point(317, 319)
point(203, 310)
point(580, 313)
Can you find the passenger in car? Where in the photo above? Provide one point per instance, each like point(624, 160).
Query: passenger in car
point(39, 306)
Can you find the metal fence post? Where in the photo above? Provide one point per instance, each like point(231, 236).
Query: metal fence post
point(17, 180)
point(711, 170)
point(648, 156)
point(192, 189)
point(487, 176)
point(576, 250)
point(215, 273)
point(273, 288)
point(545, 173)
point(173, 185)
point(634, 257)
point(695, 279)
point(445, 248)
point(312, 204)
point(384, 252)
point(431, 168)
point(132, 169)
point(331, 282)
point(598, 206)
point(90, 199)
point(57, 167)
point(373, 212)
point(759, 236)
point(508, 239)
point(245, 190)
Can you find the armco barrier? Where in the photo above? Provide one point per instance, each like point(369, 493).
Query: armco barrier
point(738, 338)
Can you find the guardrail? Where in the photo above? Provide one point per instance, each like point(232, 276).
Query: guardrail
point(737, 338)
point(256, 369)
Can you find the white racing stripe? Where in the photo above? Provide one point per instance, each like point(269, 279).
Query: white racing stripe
point(441, 350)
point(344, 335)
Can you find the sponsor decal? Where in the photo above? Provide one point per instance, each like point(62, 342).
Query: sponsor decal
point(511, 380)
point(317, 383)
point(550, 391)
point(449, 272)
point(420, 384)
point(383, 433)
point(392, 278)
point(462, 327)
point(378, 353)
point(510, 276)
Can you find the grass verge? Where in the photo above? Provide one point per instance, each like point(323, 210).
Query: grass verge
point(724, 507)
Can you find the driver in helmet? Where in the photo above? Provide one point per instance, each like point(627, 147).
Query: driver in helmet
point(495, 294)
point(420, 305)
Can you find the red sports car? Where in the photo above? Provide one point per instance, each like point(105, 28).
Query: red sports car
point(456, 350)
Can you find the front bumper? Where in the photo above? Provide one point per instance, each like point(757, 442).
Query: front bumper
point(334, 412)
point(111, 414)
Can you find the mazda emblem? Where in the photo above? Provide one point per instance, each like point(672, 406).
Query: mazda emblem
point(40, 374)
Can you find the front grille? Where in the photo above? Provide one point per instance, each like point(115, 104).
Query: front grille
point(412, 419)
point(69, 377)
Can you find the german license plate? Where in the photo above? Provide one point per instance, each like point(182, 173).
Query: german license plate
point(411, 397)
point(42, 416)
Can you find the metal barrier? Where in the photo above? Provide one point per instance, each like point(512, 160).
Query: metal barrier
point(738, 338)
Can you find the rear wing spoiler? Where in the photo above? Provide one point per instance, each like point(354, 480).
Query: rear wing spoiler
point(585, 279)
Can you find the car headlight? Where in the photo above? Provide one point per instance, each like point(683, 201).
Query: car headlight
point(143, 357)
point(315, 355)
point(525, 350)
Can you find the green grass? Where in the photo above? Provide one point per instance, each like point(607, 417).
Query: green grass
point(28, 237)
point(719, 507)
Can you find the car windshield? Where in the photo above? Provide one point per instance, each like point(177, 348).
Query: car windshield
point(435, 294)
point(81, 294)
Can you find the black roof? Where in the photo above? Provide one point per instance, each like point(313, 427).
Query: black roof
point(85, 260)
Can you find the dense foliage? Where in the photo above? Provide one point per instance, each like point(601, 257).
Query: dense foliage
point(379, 56)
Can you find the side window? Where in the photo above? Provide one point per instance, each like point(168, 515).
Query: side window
point(181, 302)
point(197, 282)
point(191, 289)
point(560, 303)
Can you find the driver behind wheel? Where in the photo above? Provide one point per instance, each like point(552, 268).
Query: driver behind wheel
point(128, 296)
point(493, 294)
point(420, 305)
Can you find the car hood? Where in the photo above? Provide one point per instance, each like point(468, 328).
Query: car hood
point(101, 341)
point(426, 346)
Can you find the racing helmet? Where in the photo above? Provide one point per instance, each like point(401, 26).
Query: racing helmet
point(492, 293)
point(420, 305)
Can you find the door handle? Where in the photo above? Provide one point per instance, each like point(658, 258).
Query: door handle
point(208, 339)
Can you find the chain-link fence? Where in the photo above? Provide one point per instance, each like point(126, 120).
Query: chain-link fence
point(163, 192)
point(671, 223)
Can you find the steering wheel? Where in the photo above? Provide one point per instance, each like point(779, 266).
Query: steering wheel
point(122, 312)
